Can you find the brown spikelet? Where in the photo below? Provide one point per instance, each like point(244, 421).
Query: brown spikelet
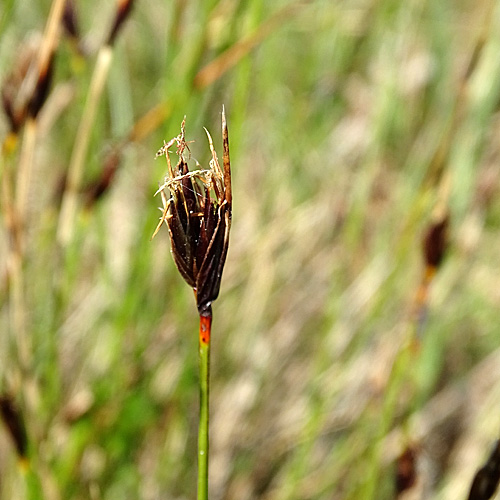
point(42, 88)
point(16, 106)
point(69, 20)
point(14, 423)
point(19, 98)
point(485, 482)
point(98, 188)
point(16, 118)
point(198, 216)
point(123, 9)
point(435, 242)
point(406, 470)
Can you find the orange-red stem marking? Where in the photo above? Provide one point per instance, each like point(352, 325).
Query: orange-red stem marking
point(205, 329)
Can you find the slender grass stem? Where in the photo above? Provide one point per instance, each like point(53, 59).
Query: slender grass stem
point(216, 68)
point(14, 267)
point(398, 378)
point(24, 171)
point(75, 171)
point(203, 441)
point(33, 486)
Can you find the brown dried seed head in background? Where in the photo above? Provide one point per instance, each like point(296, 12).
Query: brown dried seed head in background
point(123, 9)
point(198, 216)
point(42, 88)
point(15, 108)
point(486, 480)
point(436, 241)
point(96, 189)
point(69, 20)
point(14, 423)
point(406, 470)
point(23, 95)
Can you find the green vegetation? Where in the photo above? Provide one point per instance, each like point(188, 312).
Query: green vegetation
point(353, 127)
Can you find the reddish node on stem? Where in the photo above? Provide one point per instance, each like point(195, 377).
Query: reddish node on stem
point(205, 328)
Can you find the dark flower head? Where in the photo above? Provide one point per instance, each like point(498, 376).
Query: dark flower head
point(487, 478)
point(122, 12)
point(69, 20)
point(26, 87)
point(198, 216)
point(14, 422)
point(436, 241)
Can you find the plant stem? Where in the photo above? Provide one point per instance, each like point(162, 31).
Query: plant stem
point(204, 351)
point(396, 384)
point(76, 166)
point(24, 171)
point(33, 485)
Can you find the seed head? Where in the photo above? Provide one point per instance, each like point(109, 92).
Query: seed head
point(198, 216)
point(485, 482)
point(26, 87)
point(14, 422)
point(406, 470)
point(70, 20)
point(123, 8)
point(436, 241)
point(96, 189)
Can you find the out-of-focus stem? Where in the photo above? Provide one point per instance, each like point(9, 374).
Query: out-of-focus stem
point(75, 171)
point(25, 169)
point(399, 375)
point(14, 268)
point(203, 440)
point(50, 36)
point(216, 68)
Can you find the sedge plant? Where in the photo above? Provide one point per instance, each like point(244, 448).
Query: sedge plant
point(198, 216)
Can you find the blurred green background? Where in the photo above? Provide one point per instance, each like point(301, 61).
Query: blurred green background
point(352, 126)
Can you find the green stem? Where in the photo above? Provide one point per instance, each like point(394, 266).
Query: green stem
point(82, 141)
point(32, 483)
point(398, 378)
point(204, 352)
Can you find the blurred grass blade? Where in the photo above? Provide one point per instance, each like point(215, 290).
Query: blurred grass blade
point(82, 140)
point(216, 68)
